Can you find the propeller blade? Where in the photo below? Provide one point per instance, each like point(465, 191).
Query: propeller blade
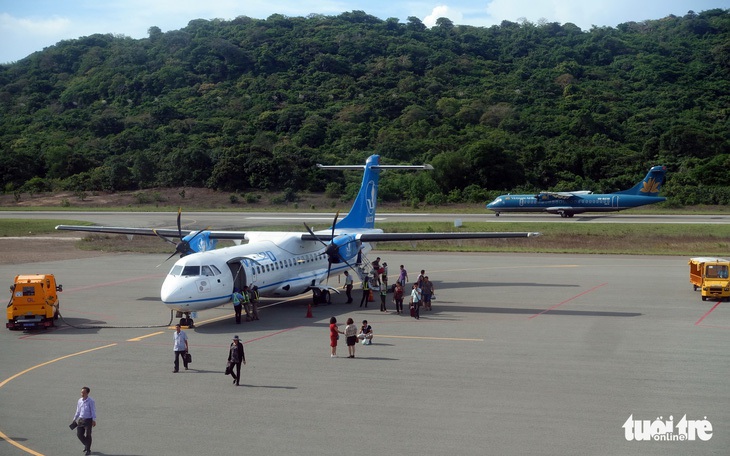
point(183, 247)
point(312, 233)
point(171, 255)
point(334, 222)
point(351, 266)
point(179, 227)
point(164, 238)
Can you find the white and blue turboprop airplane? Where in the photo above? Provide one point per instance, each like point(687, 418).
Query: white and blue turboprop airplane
point(280, 264)
point(567, 204)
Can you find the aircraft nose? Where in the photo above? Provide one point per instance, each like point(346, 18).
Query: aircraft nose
point(171, 291)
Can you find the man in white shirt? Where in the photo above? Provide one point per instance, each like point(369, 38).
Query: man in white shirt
point(181, 347)
point(85, 418)
point(348, 286)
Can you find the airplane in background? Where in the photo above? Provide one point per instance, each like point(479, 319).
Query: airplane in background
point(279, 263)
point(567, 204)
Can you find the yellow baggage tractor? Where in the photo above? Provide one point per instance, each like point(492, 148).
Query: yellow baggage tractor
point(710, 275)
point(33, 302)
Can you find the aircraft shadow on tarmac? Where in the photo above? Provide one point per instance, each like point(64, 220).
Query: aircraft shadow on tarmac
point(70, 326)
point(73, 326)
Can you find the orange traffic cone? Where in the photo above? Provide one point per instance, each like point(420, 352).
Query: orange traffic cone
point(370, 296)
point(309, 311)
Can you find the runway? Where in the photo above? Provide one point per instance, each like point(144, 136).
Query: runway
point(522, 354)
point(242, 220)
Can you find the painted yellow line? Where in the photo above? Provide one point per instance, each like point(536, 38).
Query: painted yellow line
point(53, 361)
point(212, 320)
point(6, 381)
point(18, 446)
point(430, 338)
point(223, 317)
point(201, 323)
point(137, 339)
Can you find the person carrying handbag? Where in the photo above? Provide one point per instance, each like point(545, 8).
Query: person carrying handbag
point(236, 356)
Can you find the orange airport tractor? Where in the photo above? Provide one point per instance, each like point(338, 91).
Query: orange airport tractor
point(34, 302)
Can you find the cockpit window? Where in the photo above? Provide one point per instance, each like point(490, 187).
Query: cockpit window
point(191, 271)
point(176, 270)
point(216, 271)
point(207, 271)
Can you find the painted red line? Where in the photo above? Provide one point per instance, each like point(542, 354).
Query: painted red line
point(272, 334)
point(714, 326)
point(568, 300)
point(118, 282)
point(707, 313)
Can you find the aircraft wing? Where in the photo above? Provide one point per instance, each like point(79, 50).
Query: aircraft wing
point(240, 235)
point(167, 232)
point(384, 237)
point(566, 209)
point(562, 195)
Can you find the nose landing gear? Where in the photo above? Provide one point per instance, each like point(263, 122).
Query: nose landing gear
point(185, 319)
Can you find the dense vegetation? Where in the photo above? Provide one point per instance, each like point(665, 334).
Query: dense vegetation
point(254, 104)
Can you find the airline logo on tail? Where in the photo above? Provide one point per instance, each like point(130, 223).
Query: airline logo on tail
point(370, 202)
point(372, 197)
point(651, 186)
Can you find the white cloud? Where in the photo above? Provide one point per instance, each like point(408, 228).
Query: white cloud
point(29, 26)
point(586, 14)
point(443, 11)
point(23, 36)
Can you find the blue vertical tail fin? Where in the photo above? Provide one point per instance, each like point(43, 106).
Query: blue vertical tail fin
point(362, 213)
point(650, 185)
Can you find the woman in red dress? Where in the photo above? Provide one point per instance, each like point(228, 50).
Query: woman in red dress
point(334, 335)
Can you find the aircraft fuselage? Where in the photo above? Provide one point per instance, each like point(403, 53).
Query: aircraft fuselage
point(586, 203)
point(280, 266)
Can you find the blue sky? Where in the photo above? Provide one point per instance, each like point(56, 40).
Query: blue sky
point(27, 26)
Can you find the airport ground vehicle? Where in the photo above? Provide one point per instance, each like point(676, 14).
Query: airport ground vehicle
point(710, 275)
point(34, 301)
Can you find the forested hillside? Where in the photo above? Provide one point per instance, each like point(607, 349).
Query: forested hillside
point(254, 104)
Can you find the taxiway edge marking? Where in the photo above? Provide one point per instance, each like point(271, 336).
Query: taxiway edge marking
point(7, 380)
